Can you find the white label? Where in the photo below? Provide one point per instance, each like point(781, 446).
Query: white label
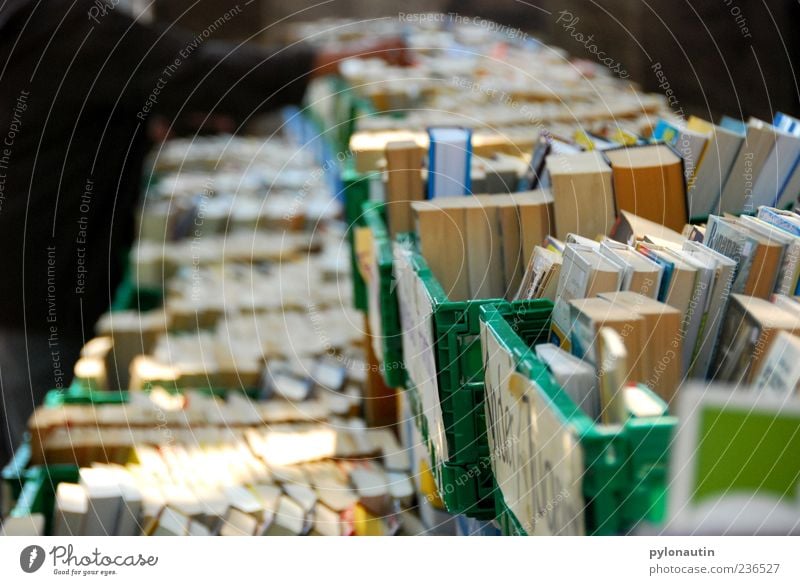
point(536, 459)
point(416, 320)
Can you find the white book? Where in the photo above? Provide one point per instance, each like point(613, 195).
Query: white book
point(633, 262)
point(171, 523)
point(708, 335)
point(713, 170)
point(289, 519)
point(780, 371)
point(777, 169)
point(104, 501)
point(71, 507)
point(758, 144)
point(698, 306)
point(449, 164)
point(577, 377)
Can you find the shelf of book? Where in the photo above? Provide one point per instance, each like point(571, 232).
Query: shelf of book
point(557, 470)
point(377, 272)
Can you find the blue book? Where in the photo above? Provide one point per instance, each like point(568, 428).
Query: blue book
point(449, 161)
point(733, 125)
point(785, 220)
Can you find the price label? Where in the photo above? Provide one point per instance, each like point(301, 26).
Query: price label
point(536, 458)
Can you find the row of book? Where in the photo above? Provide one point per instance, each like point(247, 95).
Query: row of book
point(736, 166)
point(214, 185)
point(280, 481)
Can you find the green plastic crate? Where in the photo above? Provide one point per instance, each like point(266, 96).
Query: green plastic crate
point(382, 311)
point(38, 495)
point(505, 519)
point(355, 187)
point(76, 394)
point(623, 467)
point(14, 473)
point(442, 355)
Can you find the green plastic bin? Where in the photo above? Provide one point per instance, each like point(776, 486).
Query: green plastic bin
point(622, 474)
point(38, 494)
point(355, 187)
point(382, 311)
point(442, 356)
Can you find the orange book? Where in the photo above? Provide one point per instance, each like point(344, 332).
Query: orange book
point(648, 181)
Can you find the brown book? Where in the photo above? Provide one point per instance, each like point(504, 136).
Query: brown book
point(535, 219)
point(404, 184)
point(630, 228)
point(649, 181)
point(513, 262)
point(442, 233)
point(767, 260)
point(484, 242)
point(583, 198)
point(590, 315)
point(660, 351)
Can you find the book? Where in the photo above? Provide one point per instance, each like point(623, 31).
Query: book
point(698, 306)
point(662, 342)
point(750, 327)
point(777, 169)
point(71, 507)
point(104, 500)
point(639, 273)
point(789, 271)
point(171, 522)
point(536, 219)
point(583, 197)
point(584, 274)
point(679, 277)
point(541, 277)
point(714, 165)
point(630, 228)
point(708, 335)
point(576, 376)
point(736, 195)
point(688, 142)
point(649, 181)
point(786, 220)
point(589, 316)
point(449, 167)
point(503, 173)
point(780, 370)
point(484, 240)
point(404, 184)
point(442, 231)
point(758, 258)
point(510, 228)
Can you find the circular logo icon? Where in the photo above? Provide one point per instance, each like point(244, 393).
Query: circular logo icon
point(31, 558)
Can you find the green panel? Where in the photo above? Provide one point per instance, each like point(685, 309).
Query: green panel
point(392, 367)
point(771, 442)
point(356, 192)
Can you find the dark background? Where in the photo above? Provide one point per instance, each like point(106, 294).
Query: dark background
point(711, 65)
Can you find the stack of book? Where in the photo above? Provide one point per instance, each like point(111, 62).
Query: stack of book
point(281, 482)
